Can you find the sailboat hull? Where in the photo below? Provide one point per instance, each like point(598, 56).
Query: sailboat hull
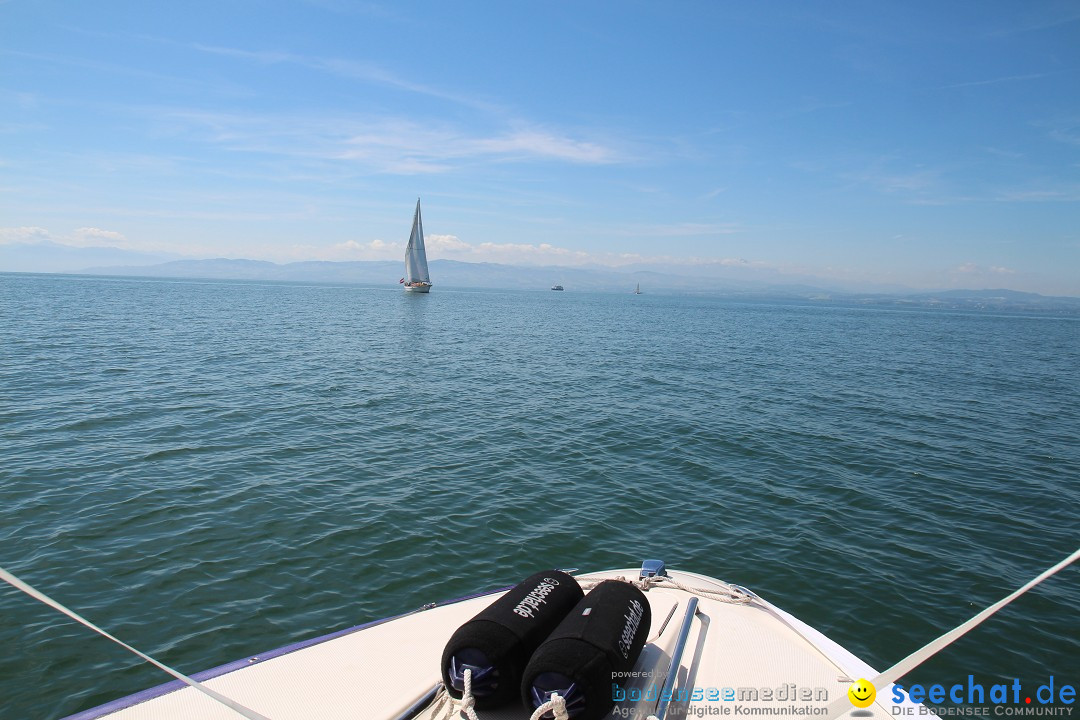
point(421, 288)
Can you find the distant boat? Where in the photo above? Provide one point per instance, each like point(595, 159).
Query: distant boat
point(416, 277)
point(556, 287)
point(637, 290)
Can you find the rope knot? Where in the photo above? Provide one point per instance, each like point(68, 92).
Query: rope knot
point(467, 706)
point(558, 704)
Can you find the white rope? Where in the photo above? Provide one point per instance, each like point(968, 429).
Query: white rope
point(897, 671)
point(42, 597)
point(466, 705)
point(468, 702)
point(556, 704)
point(727, 593)
point(441, 697)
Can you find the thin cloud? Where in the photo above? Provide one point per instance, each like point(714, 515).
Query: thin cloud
point(538, 143)
point(731, 262)
point(1069, 136)
point(443, 246)
point(352, 69)
point(1067, 194)
point(349, 250)
point(427, 149)
point(415, 166)
point(901, 182)
point(971, 269)
point(994, 81)
point(911, 183)
point(350, 7)
point(81, 237)
point(686, 229)
point(451, 247)
point(1066, 129)
point(1042, 19)
point(526, 141)
point(388, 145)
point(1000, 152)
point(24, 235)
point(97, 236)
point(446, 243)
point(85, 64)
point(267, 57)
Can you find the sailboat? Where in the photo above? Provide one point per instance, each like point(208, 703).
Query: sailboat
point(416, 277)
point(637, 290)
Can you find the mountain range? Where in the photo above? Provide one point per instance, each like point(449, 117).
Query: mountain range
point(710, 280)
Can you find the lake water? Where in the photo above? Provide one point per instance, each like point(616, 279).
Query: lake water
point(213, 469)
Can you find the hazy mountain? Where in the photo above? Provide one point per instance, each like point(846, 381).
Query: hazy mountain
point(50, 257)
point(452, 273)
point(710, 280)
point(1000, 299)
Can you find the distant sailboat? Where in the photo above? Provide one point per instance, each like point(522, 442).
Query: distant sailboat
point(416, 277)
point(637, 290)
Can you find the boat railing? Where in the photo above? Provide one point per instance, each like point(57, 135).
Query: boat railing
point(676, 659)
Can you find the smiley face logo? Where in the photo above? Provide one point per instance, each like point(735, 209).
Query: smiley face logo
point(861, 693)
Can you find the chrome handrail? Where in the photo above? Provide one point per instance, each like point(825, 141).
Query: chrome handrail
point(676, 659)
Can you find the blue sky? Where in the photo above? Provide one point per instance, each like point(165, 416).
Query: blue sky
point(923, 144)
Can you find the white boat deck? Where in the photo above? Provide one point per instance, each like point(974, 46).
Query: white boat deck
point(750, 656)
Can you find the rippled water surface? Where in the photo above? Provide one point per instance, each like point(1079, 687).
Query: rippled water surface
point(211, 469)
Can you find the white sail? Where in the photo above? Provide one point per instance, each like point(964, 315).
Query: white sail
point(416, 269)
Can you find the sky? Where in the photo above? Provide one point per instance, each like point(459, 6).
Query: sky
point(922, 144)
